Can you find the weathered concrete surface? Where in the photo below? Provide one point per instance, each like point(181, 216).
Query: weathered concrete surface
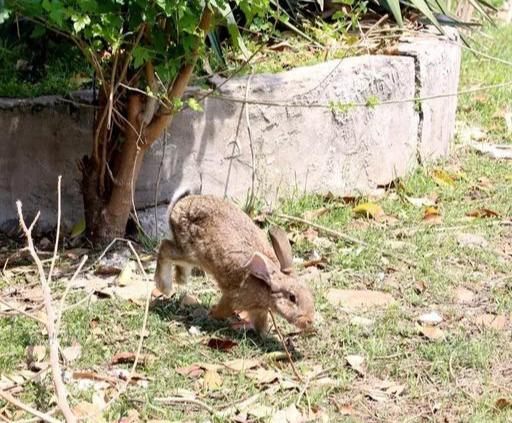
point(437, 61)
point(310, 149)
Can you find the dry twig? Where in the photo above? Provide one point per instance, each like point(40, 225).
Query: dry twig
point(53, 341)
point(22, 406)
point(281, 338)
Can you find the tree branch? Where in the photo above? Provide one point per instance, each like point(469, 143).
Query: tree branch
point(53, 341)
point(180, 84)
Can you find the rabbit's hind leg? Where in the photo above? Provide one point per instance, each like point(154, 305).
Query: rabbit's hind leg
point(167, 255)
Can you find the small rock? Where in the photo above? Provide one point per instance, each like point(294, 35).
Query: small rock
point(194, 331)
point(432, 318)
point(471, 240)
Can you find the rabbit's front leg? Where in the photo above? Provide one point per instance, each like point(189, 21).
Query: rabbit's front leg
point(259, 319)
point(223, 309)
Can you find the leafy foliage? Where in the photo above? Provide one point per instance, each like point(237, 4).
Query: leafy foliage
point(163, 32)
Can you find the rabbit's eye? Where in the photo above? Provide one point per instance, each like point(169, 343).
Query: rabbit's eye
point(293, 298)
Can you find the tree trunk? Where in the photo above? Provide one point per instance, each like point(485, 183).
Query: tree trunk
point(107, 204)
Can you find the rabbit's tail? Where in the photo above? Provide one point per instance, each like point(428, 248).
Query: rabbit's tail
point(179, 194)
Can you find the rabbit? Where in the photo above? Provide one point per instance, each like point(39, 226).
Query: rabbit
point(254, 276)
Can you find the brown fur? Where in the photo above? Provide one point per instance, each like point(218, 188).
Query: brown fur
point(216, 236)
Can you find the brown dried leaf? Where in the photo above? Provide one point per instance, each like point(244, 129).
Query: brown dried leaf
point(72, 353)
point(88, 412)
point(128, 357)
point(356, 362)
point(420, 287)
point(310, 234)
point(221, 344)
point(88, 375)
point(189, 300)
point(193, 371)
point(482, 213)
point(432, 215)
point(354, 299)
point(315, 214)
point(491, 321)
point(432, 332)
point(35, 354)
point(242, 364)
point(421, 202)
point(503, 403)
point(212, 380)
point(263, 376)
point(131, 417)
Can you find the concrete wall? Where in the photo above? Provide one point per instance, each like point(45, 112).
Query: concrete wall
point(312, 149)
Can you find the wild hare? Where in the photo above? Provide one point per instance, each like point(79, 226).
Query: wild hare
point(254, 276)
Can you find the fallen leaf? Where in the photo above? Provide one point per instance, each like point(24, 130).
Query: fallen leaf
point(107, 270)
point(354, 299)
point(443, 178)
point(432, 332)
point(495, 151)
point(88, 375)
point(482, 212)
point(128, 357)
point(242, 364)
point(263, 376)
point(72, 353)
point(221, 344)
point(432, 215)
point(384, 390)
point(128, 274)
point(88, 412)
point(35, 354)
point(212, 380)
point(369, 210)
point(471, 240)
point(315, 214)
point(288, 415)
point(491, 321)
point(421, 202)
point(356, 362)
point(260, 411)
point(420, 287)
point(131, 417)
point(310, 234)
point(503, 403)
point(78, 229)
point(463, 295)
point(192, 371)
point(433, 318)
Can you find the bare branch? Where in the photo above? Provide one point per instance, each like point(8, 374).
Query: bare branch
point(21, 405)
point(53, 341)
point(56, 248)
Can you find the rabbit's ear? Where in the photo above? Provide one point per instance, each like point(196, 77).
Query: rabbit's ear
point(258, 268)
point(282, 248)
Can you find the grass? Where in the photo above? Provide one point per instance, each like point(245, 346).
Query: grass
point(458, 378)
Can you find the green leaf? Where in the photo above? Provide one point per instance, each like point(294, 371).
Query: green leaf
point(194, 105)
point(394, 7)
point(80, 22)
point(423, 7)
point(236, 38)
point(78, 229)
